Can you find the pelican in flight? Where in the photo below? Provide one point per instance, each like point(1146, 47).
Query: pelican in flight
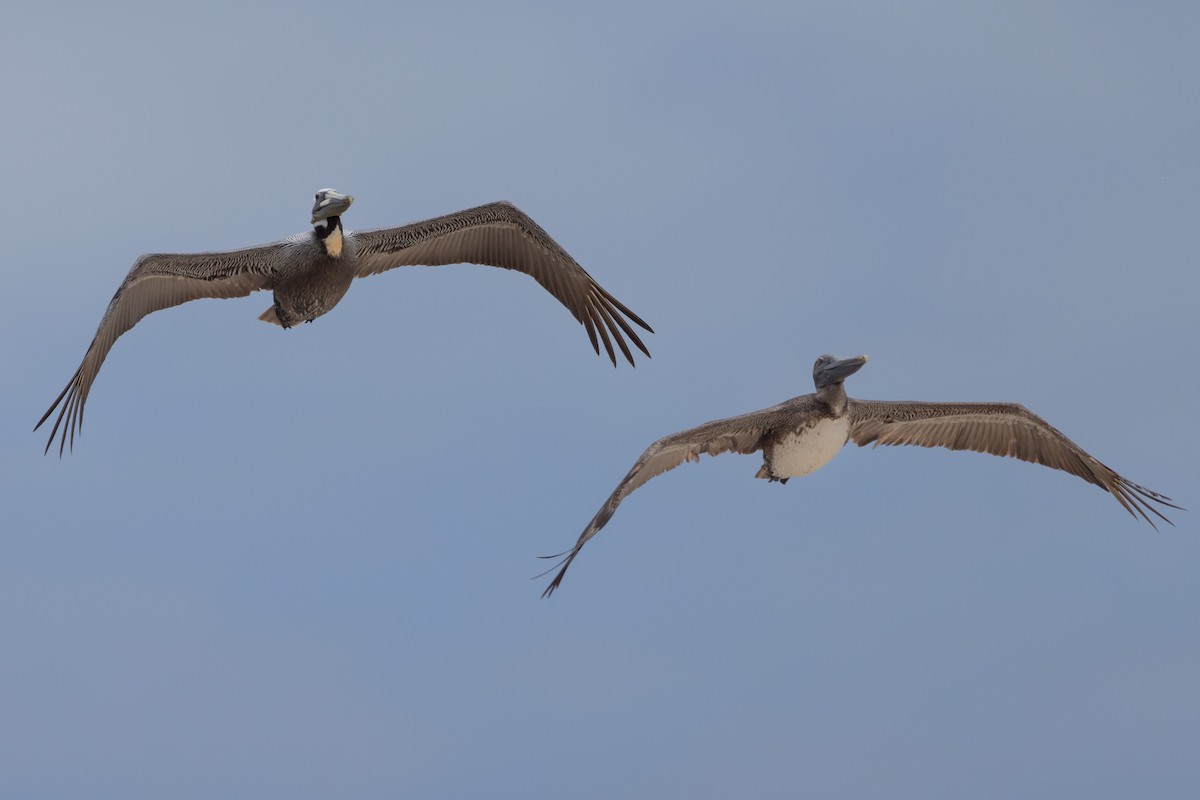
point(803, 434)
point(310, 272)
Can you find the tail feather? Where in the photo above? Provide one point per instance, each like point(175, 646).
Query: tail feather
point(270, 316)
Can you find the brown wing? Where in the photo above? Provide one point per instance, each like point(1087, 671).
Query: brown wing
point(1002, 429)
point(501, 235)
point(742, 434)
point(158, 281)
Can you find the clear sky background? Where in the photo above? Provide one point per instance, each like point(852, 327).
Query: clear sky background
point(296, 564)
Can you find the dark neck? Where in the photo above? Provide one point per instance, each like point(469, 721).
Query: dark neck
point(834, 396)
point(327, 226)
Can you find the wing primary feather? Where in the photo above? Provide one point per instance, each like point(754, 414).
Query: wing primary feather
point(558, 579)
point(616, 332)
point(50, 411)
point(586, 319)
point(622, 308)
point(629, 331)
point(74, 418)
point(603, 331)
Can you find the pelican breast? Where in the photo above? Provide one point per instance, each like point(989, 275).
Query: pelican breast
point(806, 450)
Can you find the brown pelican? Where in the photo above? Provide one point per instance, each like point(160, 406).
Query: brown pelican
point(803, 434)
point(310, 272)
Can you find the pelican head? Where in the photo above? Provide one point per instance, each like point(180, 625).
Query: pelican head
point(330, 203)
point(830, 370)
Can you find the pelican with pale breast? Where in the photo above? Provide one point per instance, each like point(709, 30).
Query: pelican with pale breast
point(803, 434)
point(310, 272)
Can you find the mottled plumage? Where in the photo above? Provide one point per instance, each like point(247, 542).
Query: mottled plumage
point(310, 272)
point(1002, 429)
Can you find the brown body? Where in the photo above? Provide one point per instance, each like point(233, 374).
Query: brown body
point(312, 280)
point(311, 272)
point(800, 435)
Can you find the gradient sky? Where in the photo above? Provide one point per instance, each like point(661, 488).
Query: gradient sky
point(296, 564)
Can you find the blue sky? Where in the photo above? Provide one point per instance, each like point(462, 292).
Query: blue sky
point(295, 564)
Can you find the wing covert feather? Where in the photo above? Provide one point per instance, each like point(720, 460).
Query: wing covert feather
point(158, 281)
point(742, 434)
point(501, 235)
point(1001, 429)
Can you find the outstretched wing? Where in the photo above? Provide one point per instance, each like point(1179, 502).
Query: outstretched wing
point(1002, 429)
point(741, 434)
point(501, 235)
point(158, 281)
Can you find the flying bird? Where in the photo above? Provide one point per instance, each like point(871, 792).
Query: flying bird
point(310, 272)
point(801, 435)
